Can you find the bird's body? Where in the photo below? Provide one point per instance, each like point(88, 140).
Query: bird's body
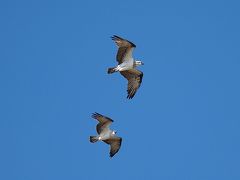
point(127, 65)
point(105, 134)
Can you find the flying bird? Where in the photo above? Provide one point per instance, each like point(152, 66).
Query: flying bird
point(105, 134)
point(127, 65)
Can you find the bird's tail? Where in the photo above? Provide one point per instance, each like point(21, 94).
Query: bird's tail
point(111, 70)
point(93, 139)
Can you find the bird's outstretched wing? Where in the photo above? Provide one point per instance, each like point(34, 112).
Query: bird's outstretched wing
point(134, 78)
point(125, 48)
point(115, 144)
point(104, 122)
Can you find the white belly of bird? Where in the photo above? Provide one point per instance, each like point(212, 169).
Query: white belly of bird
point(105, 136)
point(126, 65)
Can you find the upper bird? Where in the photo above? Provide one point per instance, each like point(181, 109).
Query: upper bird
point(127, 65)
point(105, 134)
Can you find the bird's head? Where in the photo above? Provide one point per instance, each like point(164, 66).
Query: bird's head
point(138, 63)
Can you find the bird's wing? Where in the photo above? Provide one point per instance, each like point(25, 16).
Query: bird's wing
point(134, 78)
point(104, 122)
point(115, 144)
point(125, 48)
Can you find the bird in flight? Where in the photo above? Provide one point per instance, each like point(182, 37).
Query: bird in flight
point(127, 65)
point(105, 134)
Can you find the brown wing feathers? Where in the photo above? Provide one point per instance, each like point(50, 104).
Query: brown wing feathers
point(122, 42)
point(124, 47)
point(134, 78)
point(115, 144)
point(103, 121)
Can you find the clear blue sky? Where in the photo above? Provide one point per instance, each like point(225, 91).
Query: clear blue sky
point(183, 123)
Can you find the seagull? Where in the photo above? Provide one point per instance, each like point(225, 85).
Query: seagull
point(127, 65)
point(105, 134)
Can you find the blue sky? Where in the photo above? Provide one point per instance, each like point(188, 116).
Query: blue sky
point(183, 122)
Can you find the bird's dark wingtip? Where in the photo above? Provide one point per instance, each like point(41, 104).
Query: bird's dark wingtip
point(111, 155)
point(114, 37)
point(95, 115)
point(130, 97)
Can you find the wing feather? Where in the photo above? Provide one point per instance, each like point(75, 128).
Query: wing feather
point(134, 78)
point(104, 122)
point(115, 144)
point(125, 48)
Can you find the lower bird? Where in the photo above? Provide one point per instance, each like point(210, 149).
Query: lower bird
point(127, 65)
point(105, 134)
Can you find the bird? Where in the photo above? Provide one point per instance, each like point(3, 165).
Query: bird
point(127, 65)
point(105, 134)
